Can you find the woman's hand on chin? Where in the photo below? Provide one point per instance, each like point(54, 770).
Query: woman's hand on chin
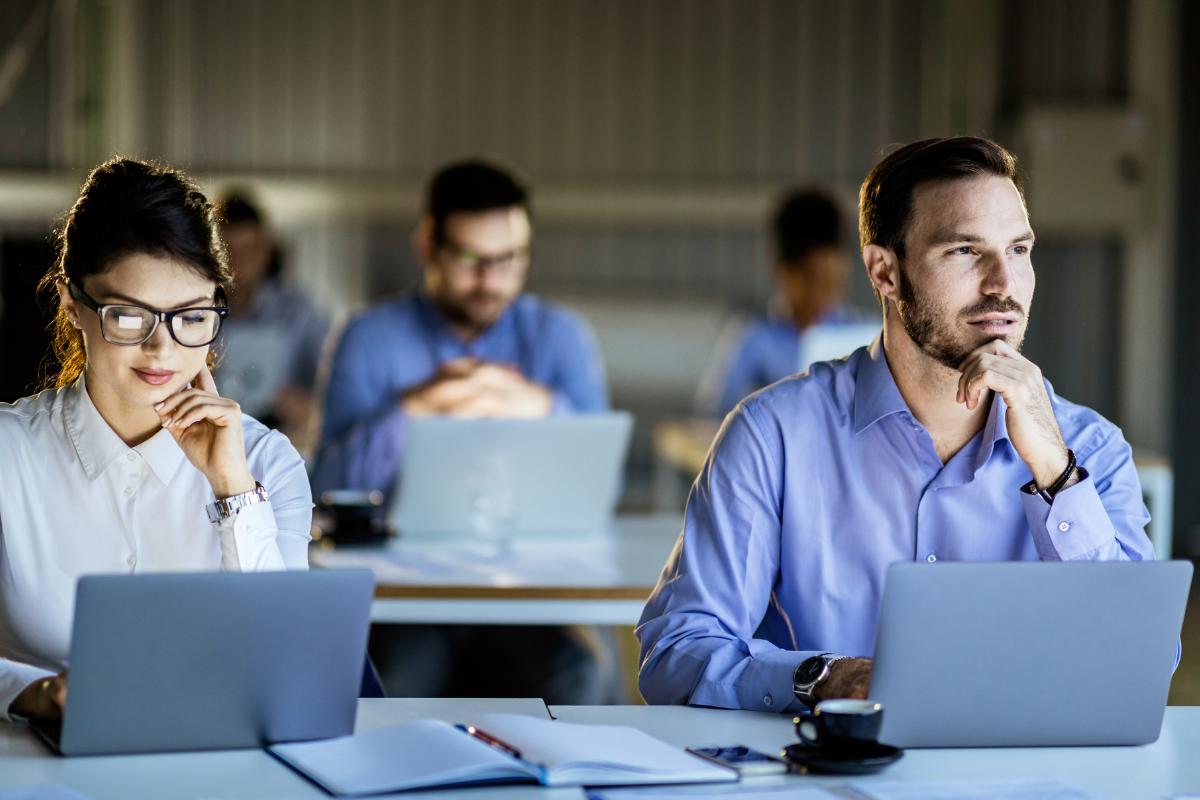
point(209, 429)
point(44, 699)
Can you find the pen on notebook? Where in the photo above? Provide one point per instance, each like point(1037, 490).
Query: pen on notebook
point(488, 739)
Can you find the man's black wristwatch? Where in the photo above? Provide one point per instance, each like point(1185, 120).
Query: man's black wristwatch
point(810, 673)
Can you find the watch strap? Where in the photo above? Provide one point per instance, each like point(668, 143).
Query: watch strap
point(804, 692)
point(228, 506)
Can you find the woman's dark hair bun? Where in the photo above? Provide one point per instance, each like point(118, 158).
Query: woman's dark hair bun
point(128, 207)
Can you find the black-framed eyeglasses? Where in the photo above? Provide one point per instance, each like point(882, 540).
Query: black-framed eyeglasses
point(129, 325)
point(467, 260)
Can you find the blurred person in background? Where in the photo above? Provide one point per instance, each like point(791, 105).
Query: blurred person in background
point(807, 316)
point(272, 340)
point(470, 344)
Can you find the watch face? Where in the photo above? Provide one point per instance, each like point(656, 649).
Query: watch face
point(809, 670)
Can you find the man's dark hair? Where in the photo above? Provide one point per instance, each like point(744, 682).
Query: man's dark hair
point(806, 220)
point(237, 208)
point(473, 185)
point(885, 200)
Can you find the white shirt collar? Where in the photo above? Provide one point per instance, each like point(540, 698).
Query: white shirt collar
point(98, 444)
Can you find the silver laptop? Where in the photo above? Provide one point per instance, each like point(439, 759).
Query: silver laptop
point(213, 661)
point(253, 364)
point(1027, 654)
point(495, 477)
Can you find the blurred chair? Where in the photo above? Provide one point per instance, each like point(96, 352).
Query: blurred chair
point(1158, 492)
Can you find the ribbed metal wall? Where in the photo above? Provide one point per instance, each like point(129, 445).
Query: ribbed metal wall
point(622, 90)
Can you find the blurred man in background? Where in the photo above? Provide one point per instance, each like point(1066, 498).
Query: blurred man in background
point(273, 336)
point(470, 344)
point(807, 317)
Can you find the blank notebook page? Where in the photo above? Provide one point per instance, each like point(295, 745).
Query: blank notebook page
point(424, 752)
point(565, 750)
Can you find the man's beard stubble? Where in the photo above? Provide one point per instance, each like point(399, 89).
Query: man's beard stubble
point(458, 311)
point(929, 324)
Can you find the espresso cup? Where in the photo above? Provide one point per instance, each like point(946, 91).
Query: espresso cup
point(841, 725)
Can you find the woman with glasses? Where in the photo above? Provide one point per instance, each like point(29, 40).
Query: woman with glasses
point(132, 462)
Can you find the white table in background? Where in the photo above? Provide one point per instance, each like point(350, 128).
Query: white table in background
point(570, 579)
point(1170, 766)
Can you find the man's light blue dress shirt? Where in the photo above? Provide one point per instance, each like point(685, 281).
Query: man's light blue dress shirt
point(397, 345)
point(813, 487)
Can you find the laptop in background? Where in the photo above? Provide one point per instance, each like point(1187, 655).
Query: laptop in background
point(1027, 654)
point(253, 364)
point(495, 477)
point(213, 661)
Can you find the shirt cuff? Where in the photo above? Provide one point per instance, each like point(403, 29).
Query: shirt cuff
point(14, 677)
point(248, 540)
point(766, 683)
point(1071, 527)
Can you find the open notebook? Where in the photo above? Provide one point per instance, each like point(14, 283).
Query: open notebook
point(425, 753)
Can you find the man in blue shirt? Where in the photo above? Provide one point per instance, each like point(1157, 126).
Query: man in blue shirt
point(470, 345)
point(808, 314)
point(939, 441)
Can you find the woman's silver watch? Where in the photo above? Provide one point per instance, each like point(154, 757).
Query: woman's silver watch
point(809, 674)
point(227, 507)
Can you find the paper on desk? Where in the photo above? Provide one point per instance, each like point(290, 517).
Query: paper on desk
point(52, 791)
point(786, 791)
point(1049, 789)
point(1035, 789)
point(590, 562)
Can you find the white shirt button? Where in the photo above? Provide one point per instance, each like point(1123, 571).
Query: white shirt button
point(129, 491)
point(1064, 526)
point(931, 558)
point(131, 560)
point(131, 457)
point(767, 700)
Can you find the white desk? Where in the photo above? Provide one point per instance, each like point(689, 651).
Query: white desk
point(244, 774)
point(567, 580)
point(1168, 767)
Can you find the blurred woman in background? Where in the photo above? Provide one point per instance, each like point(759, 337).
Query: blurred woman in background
point(274, 332)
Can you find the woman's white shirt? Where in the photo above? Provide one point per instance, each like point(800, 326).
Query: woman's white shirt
point(76, 500)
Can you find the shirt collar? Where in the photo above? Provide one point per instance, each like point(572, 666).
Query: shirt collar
point(875, 392)
point(98, 445)
point(994, 432)
point(876, 396)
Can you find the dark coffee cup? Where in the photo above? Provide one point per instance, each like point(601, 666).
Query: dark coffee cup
point(841, 725)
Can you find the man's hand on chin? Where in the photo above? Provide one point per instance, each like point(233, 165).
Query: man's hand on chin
point(848, 677)
point(1032, 428)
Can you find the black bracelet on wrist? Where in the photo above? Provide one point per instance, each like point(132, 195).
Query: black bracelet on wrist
point(1056, 487)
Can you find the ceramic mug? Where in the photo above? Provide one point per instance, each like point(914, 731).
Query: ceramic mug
point(840, 725)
